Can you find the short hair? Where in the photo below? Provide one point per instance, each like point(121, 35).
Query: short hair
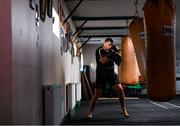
point(109, 39)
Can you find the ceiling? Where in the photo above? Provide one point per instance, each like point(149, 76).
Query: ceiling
point(100, 18)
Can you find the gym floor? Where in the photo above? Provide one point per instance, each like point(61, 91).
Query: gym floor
point(142, 111)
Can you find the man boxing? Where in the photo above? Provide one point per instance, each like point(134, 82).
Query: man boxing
point(106, 56)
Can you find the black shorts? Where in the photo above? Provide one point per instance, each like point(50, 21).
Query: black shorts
point(105, 78)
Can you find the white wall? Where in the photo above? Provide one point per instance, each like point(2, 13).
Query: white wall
point(30, 58)
point(90, 59)
point(26, 77)
point(71, 68)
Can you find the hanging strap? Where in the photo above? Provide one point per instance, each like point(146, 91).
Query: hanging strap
point(136, 8)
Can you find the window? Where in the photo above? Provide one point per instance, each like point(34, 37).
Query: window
point(56, 26)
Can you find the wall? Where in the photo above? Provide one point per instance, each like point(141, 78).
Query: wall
point(71, 68)
point(49, 46)
point(177, 4)
point(90, 59)
point(5, 63)
point(30, 59)
point(27, 96)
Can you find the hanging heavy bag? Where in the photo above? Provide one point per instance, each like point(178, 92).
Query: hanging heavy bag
point(160, 31)
point(136, 31)
point(49, 8)
point(42, 4)
point(128, 70)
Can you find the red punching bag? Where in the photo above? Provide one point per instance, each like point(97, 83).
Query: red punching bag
point(160, 31)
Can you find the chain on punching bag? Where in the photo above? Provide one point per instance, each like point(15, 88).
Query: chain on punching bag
point(128, 70)
point(136, 31)
point(160, 30)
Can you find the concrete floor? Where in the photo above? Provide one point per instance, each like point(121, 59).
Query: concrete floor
point(142, 111)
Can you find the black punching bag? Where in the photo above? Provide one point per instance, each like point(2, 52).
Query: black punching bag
point(49, 8)
point(160, 30)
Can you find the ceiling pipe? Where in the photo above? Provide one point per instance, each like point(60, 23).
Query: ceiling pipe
point(102, 28)
point(77, 18)
point(73, 11)
point(77, 29)
point(85, 43)
point(95, 36)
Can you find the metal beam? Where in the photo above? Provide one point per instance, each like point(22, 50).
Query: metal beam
point(77, 18)
point(95, 36)
point(73, 10)
point(79, 33)
point(80, 27)
point(102, 28)
point(85, 42)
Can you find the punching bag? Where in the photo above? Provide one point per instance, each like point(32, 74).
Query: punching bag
point(42, 4)
point(128, 70)
point(136, 31)
point(49, 8)
point(160, 31)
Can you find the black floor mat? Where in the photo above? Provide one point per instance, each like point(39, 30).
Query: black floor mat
point(142, 111)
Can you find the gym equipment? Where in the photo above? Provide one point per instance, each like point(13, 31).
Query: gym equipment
point(136, 31)
point(117, 59)
point(128, 70)
point(49, 8)
point(115, 55)
point(160, 30)
point(42, 4)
